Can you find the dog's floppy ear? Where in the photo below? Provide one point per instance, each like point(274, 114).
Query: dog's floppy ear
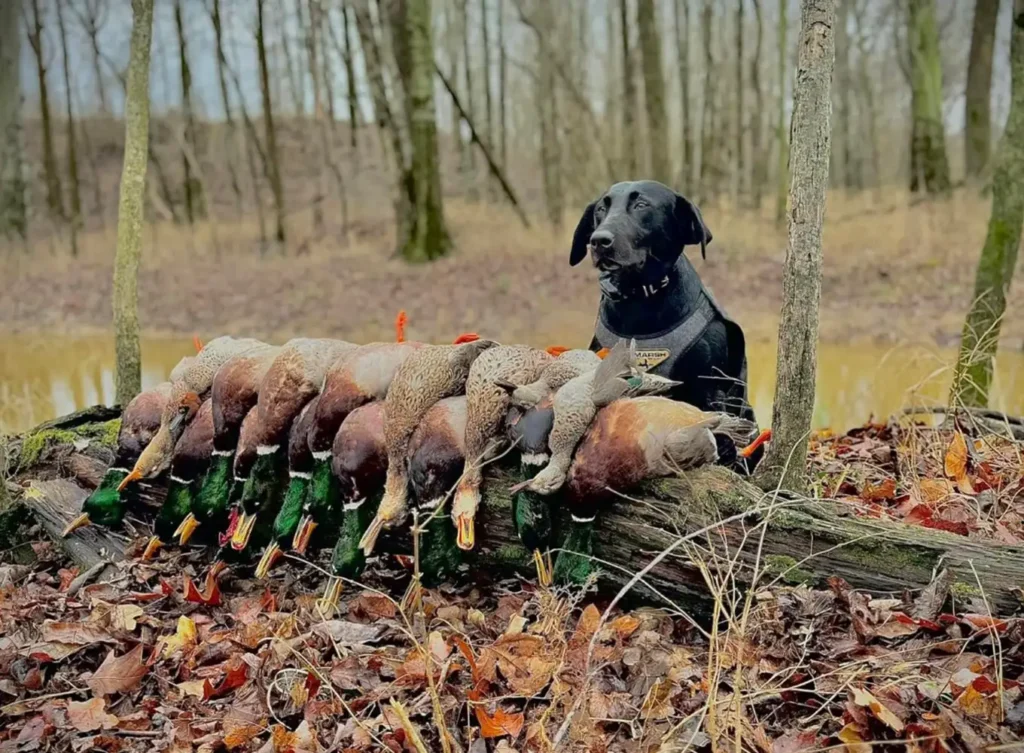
point(581, 238)
point(690, 225)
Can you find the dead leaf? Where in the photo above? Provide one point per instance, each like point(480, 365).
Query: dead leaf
point(75, 633)
point(850, 734)
point(184, 638)
point(883, 492)
point(124, 616)
point(795, 741)
point(51, 651)
point(984, 622)
point(955, 464)
point(244, 720)
point(195, 688)
point(373, 607)
point(210, 596)
point(439, 648)
point(118, 674)
point(90, 715)
point(625, 625)
point(235, 675)
point(878, 709)
point(500, 724)
point(347, 633)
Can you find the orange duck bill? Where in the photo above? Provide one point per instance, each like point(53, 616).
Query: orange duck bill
point(270, 557)
point(135, 475)
point(243, 530)
point(185, 529)
point(80, 522)
point(300, 541)
point(764, 436)
point(152, 547)
point(466, 536)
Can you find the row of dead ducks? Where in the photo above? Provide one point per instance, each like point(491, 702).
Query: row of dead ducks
point(322, 441)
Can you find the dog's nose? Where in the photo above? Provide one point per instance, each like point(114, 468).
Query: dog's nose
point(601, 240)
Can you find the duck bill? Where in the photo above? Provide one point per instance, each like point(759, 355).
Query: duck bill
point(135, 475)
point(186, 528)
point(243, 530)
point(543, 569)
point(300, 541)
point(270, 556)
point(328, 603)
point(764, 436)
point(225, 537)
point(369, 540)
point(80, 522)
point(466, 537)
point(152, 547)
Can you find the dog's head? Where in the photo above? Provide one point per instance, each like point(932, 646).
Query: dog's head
point(635, 232)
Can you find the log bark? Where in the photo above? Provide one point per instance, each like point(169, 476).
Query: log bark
point(805, 541)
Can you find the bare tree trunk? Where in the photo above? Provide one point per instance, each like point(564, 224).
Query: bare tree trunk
point(502, 85)
point(128, 370)
point(194, 201)
point(707, 135)
point(470, 108)
point(13, 217)
point(786, 460)
point(781, 136)
point(270, 133)
point(229, 118)
point(91, 19)
point(659, 164)
point(546, 98)
point(740, 162)
point(488, 105)
point(870, 107)
point(929, 164)
point(51, 175)
point(293, 70)
point(759, 160)
point(75, 217)
point(1002, 243)
point(350, 79)
point(840, 170)
point(630, 104)
point(428, 237)
point(978, 92)
point(682, 24)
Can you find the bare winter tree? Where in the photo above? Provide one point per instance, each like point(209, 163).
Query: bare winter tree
point(929, 165)
point(75, 218)
point(128, 369)
point(978, 92)
point(51, 175)
point(1002, 242)
point(225, 98)
point(630, 100)
point(786, 460)
point(659, 162)
point(682, 28)
point(270, 132)
point(194, 200)
point(13, 220)
point(91, 14)
point(781, 137)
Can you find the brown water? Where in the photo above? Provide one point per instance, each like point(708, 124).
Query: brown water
point(46, 376)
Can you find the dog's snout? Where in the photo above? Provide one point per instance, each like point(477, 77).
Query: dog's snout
point(601, 240)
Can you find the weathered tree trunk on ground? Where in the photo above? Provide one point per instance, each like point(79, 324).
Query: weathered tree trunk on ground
point(630, 102)
point(658, 155)
point(721, 513)
point(194, 201)
point(682, 28)
point(781, 136)
point(427, 236)
point(978, 91)
point(51, 176)
point(13, 216)
point(1002, 242)
point(929, 165)
point(785, 462)
point(75, 217)
point(273, 164)
point(128, 365)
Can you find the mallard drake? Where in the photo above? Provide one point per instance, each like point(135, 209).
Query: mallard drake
point(529, 431)
point(139, 422)
point(630, 441)
point(233, 394)
point(245, 458)
point(565, 366)
point(429, 374)
point(188, 464)
point(437, 457)
point(292, 380)
point(359, 463)
point(579, 399)
point(487, 404)
point(355, 379)
point(191, 380)
point(300, 466)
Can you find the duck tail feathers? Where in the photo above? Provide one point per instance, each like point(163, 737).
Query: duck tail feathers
point(690, 447)
point(740, 430)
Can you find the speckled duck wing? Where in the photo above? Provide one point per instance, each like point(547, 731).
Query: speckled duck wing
point(235, 390)
point(574, 410)
point(568, 365)
point(192, 452)
point(488, 403)
point(140, 422)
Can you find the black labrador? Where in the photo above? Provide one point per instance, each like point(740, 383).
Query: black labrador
point(635, 233)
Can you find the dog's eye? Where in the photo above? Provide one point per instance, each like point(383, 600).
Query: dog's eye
point(639, 204)
point(599, 212)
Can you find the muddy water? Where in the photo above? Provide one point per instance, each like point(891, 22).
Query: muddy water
point(42, 377)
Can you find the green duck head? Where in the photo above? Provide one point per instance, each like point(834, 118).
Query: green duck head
point(262, 493)
point(170, 520)
point(106, 506)
point(290, 517)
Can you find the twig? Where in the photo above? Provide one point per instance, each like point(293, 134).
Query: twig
point(80, 580)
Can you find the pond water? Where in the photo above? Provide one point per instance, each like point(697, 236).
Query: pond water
point(43, 376)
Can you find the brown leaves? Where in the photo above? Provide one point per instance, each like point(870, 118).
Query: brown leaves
point(500, 723)
point(879, 710)
point(90, 715)
point(76, 633)
point(118, 674)
point(210, 596)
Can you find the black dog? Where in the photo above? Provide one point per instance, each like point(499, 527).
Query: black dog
point(649, 291)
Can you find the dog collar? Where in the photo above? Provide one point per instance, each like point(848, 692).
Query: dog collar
point(650, 290)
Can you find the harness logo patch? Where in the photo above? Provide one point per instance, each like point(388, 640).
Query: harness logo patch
point(648, 359)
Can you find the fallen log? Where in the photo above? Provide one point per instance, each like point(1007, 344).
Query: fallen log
point(803, 541)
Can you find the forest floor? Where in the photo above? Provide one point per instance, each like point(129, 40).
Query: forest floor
point(895, 271)
point(147, 660)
